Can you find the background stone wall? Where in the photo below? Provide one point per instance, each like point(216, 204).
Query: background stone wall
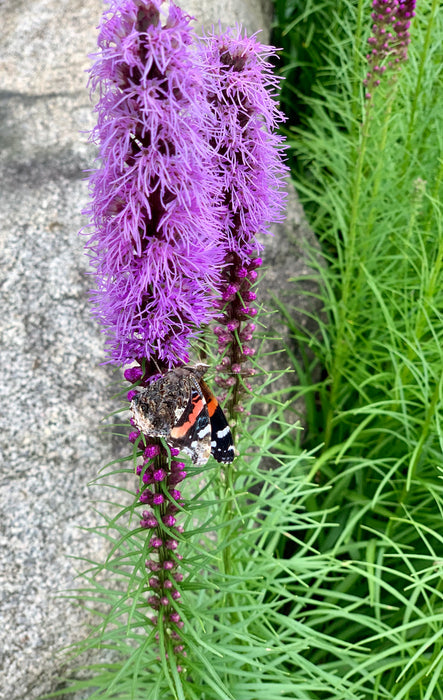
point(54, 392)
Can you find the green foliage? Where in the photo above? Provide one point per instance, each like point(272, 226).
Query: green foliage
point(243, 603)
point(370, 179)
point(316, 574)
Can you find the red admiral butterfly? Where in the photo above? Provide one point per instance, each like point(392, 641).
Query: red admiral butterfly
point(181, 408)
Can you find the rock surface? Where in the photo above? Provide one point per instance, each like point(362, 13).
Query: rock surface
point(54, 392)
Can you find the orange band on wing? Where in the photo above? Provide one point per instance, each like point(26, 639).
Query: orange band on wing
point(182, 427)
point(211, 401)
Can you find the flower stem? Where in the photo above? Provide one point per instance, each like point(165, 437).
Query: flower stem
point(417, 91)
point(349, 270)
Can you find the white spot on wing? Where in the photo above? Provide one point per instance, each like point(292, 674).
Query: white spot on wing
point(222, 433)
point(204, 431)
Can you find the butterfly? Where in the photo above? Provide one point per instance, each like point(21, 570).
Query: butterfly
point(180, 407)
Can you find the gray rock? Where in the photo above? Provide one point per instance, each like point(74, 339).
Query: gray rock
point(54, 391)
point(253, 15)
point(287, 255)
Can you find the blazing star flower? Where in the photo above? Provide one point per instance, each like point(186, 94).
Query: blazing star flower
point(389, 40)
point(155, 245)
point(248, 160)
point(190, 172)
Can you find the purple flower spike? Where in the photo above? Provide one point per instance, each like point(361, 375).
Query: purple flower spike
point(190, 172)
point(242, 92)
point(154, 247)
point(388, 47)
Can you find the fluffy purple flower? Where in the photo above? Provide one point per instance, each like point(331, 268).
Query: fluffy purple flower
point(155, 245)
point(242, 91)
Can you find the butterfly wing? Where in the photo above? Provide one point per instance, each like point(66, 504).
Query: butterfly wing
point(222, 444)
point(160, 405)
point(192, 432)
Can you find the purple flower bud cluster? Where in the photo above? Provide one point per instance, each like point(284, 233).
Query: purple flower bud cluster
point(389, 40)
point(235, 329)
point(248, 159)
point(158, 494)
point(155, 242)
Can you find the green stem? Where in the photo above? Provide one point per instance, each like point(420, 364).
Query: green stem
point(430, 414)
point(431, 289)
point(436, 268)
point(378, 172)
point(227, 495)
point(227, 474)
point(349, 270)
point(417, 91)
point(357, 63)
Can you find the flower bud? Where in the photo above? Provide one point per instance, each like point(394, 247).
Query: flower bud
point(158, 499)
point(133, 374)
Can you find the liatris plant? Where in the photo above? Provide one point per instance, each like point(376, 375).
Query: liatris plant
point(155, 246)
point(370, 176)
point(242, 91)
point(189, 174)
point(275, 567)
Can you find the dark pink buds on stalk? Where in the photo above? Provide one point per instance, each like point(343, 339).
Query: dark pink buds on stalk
point(133, 374)
point(158, 499)
point(161, 519)
point(152, 565)
point(149, 521)
point(389, 40)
